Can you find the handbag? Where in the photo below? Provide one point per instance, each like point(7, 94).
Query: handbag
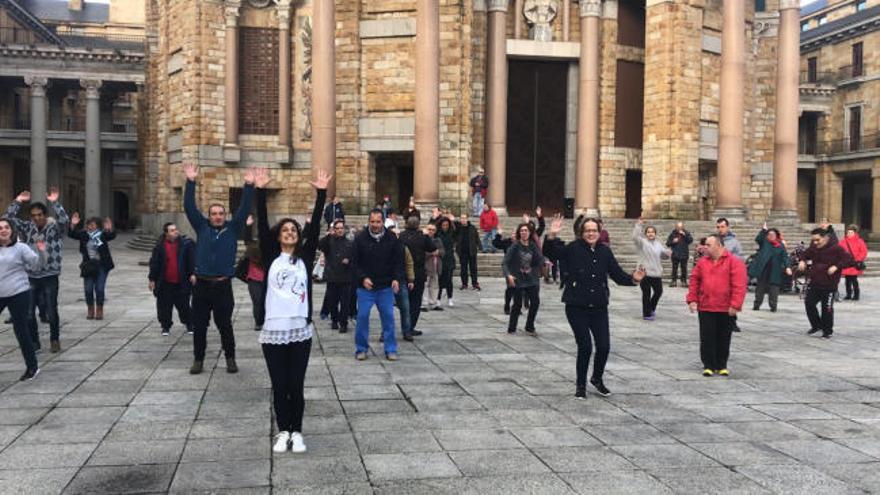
point(860, 265)
point(89, 268)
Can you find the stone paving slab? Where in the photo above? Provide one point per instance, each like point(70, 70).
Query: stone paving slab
point(468, 409)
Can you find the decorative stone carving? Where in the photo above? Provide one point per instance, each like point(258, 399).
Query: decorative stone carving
point(232, 11)
point(591, 8)
point(37, 84)
point(789, 4)
point(498, 5)
point(92, 87)
point(540, 15)
point(259, 4)
point(306, 86)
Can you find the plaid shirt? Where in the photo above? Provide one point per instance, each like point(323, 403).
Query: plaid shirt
point(53, 233)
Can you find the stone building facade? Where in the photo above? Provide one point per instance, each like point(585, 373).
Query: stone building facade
point(618, 105)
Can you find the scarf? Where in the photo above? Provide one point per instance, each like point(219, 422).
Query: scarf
point(775, 243)
point(95, 238)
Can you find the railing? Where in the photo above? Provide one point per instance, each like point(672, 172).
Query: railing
point(15, 35)
point(848, 72)
point(15, 121)
point(816, 77)
point(809, 147)
point(865, 142)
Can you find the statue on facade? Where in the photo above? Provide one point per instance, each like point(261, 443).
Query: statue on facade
point(540, 15)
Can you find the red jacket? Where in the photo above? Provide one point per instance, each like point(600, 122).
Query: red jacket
point(718, 285)
point(856, 247)
point(488, 220)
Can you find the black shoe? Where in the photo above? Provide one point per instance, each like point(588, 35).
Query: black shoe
point(855, 297)
point(813, 330)
point(196, 368)
point(531, 331)
point(827, 335)
point(343, 328)
point(334, 326)
point(673, 284)
point(43, 319)
point(735, 328)
point(416, 333)
point(600, 387)
point(438, 308)
point(580, 393)
point(848, 297)
point(7, 321)
point(29, 375)
point(408, 337)
point(231, 367)
point(511, 332)
point(166, 332)
point(756, 308)
point(773, 309)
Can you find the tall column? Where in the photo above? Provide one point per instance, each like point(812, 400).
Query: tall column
point(284, 73)
point(324, 84)
point(39, 155)
point(571, 130)
point(517, 19)
point(566, 20)
point(496, 102)
point(93, 173)
point(231, 76)
point(427, 144)
point(730, 141)
point(587, 175)
point(785, 136)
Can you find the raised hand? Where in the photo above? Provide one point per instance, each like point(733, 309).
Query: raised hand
point(74, 219)
point(526, 218)
point(322, 181)
point(639, 274)
point(556, 224)
point(23, 197)
point(764, 227)
point(108, 224)
point(248, 175)
point(191, 170)
point(539, 212)
point(52, 194)
point(249, 221)
point(261, 177)
point(41, 245)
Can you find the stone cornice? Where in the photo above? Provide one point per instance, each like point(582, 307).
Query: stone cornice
point(789, 4)
point(498, 5)
point(842, 34)
point(58, 53)
point(590, 8)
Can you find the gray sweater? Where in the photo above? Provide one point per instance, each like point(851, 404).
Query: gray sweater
point(650, 252)
point(15, 262)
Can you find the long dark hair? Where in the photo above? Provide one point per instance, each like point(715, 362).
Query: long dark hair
point(276, 233)
point(14, 236)
point(530, 226)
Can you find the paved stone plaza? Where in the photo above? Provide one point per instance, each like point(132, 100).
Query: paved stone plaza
point(467, 409)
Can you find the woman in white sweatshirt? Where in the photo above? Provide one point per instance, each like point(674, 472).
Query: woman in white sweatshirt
point(651, 252)
point(16, 259)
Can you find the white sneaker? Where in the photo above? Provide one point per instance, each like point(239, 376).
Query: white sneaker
point(296, 443)
point(451, 304)
point(282, 440)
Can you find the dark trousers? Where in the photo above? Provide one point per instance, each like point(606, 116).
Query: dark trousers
point(168, 297)
point(415, 302)
point(852, 286)
point(353, 301)
point(20, 310)
point(287, 365)
point(715, 332)
point(445, 283)
point(769, 289)
point(683, 264)
point(825, 298)
point(212, 299)
point(338, 297)
point(508, 297)
point(45, 289)
point(534, 301)
point(652, 289)
point(584, 322)
point(468, 266)
point(257, 292)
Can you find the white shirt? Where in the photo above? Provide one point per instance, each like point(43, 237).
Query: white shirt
point(287, 302)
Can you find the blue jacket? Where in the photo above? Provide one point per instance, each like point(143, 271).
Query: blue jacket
point(216, 248)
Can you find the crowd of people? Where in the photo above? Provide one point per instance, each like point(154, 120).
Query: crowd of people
point(399, 262)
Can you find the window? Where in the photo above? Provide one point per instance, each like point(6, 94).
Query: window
point(760, 5)
point(629, 104)
point(854, 128)
point(861, 5)
point(805, 26)
point(258, 81)
point(823, 19)
point(857, 60)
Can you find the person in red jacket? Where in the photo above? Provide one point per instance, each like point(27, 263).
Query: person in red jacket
point(716, 291)
point(855, 246)
point(826, 260)
point(489, 226)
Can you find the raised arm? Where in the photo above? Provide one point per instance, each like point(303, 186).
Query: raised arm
point(313, 229)
point(638, 235)
point(15, 207)
point(247, 198)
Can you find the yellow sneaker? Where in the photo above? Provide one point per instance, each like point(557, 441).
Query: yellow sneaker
point(724, 372)
point(708, 372)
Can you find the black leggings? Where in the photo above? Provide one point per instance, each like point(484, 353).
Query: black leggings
point(649, 301)
point(852, 286)
point(287, 365)
point(18, 305)
point(584, 322)
point(445, 283)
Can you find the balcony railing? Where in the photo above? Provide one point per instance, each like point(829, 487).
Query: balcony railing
point(15, 121)
point(848, 72)
point(864, 142)
point(816, 77)
point(15, 35)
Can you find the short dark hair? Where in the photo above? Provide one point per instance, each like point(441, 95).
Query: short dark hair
point(376, 211)
point(165, 227)
point(776, 231)
point(14, 237)
point(38, 206)
point(412, 223)
point(338, 220)
point(819, 231)
point(95, 220)
point(722, 219)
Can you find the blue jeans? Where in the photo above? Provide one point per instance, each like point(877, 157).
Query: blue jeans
point(44, 289)
point(402, 300)
point(487, 241)
point(478, 204)
point(384, 301)
point(94, 287)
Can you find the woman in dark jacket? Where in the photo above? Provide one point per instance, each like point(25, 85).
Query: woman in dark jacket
point(522, 269)
point(446, 234)
point(96, 260)
point(586, 265)
point(288, 255)
point(768, 265)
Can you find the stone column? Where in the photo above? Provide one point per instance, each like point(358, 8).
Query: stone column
point(39, 154)
point(517, 19)
point(284, 73)
point(496, 105)
point(427, 143)
point(324, 84)
point(571, 130)
point(231, 76)
point(875, 203)
point(587, 176)
point(93, 173)
point(566, 20)
point(787, 94)
point(730, 141)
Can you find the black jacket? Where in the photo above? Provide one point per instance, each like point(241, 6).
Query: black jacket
point(333, 212)
point(466, 237)
point(418, 244)
point(270, 248)
point(585, 272)
point(103, 250)
point(336, 249)
point(381, 261)
point(186, 261)
point(680, 249)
